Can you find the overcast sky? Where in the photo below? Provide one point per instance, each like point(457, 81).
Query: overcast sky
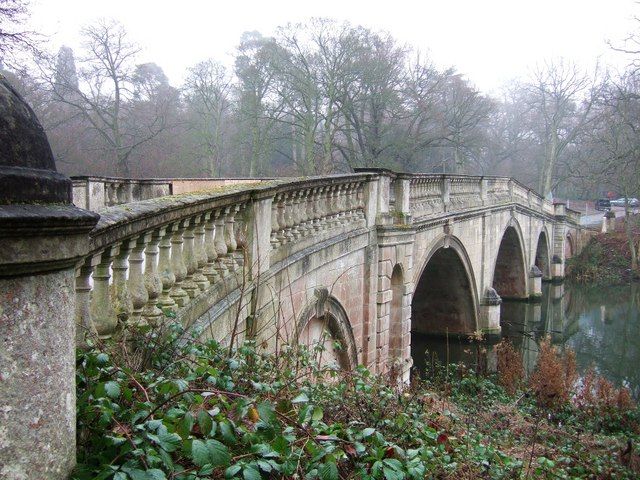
point(490, 41)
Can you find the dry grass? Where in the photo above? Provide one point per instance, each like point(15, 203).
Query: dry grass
point(554, 377)
point(598, 394)
point(510, 368)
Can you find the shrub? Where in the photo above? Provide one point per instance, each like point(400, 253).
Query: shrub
point(553, 379)
point(510, 368)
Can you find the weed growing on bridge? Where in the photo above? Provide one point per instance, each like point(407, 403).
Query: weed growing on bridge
point(197, 411)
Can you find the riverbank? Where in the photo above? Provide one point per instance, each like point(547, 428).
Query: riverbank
point(606, 259)
point(163, 410)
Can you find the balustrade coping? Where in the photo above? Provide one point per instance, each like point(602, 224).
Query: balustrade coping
point(160, 180)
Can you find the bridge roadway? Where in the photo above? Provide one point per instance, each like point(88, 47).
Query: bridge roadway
point(364, 259)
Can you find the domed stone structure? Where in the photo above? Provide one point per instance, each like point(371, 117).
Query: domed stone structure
point(27, 168)
point(42, 237)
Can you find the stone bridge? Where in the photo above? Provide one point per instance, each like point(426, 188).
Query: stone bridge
point(366, 259)
point(365, 262)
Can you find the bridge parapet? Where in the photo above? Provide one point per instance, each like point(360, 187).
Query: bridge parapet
point(97, 193)
point(438, 194)
point(312, 210)
point(168, 251)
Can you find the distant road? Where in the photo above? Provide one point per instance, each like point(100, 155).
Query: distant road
point(595, 219)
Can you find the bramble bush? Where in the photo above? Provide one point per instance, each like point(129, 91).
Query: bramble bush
point(161, 405)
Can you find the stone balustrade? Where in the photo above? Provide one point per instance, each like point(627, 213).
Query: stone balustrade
point(97, 193)
point(155, 256)
point(440, 194)
point(316, 212)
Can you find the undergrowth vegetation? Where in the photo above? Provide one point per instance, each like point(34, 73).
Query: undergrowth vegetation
point(605, 259)
point(164, 406)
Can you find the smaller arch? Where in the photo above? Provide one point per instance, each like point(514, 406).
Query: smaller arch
point(396, 320)
point(324, 321)
point(542, 258)
point(569, 247)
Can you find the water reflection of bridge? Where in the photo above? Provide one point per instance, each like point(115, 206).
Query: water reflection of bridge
point(526, 324)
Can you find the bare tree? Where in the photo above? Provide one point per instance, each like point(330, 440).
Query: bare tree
point(560, 98)
point(258, 106)
point(13, 35)
point(108, 92)
point(615, 145)
point(207, 91)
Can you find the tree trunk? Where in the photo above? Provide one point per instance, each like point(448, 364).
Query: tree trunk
point(630, 239)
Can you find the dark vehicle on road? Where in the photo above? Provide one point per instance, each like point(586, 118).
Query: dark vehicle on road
point(603, 204)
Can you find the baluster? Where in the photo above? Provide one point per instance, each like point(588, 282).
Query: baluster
point(332, 206)
point(322, 208)
point(309, 211)
point(165, 269)
point(120, 196)
point(178, 267)
point(318, 198)
point(84, 324)
point(137, 289)
point(189, 258)
point(109, 194)
point(152, 281)
point(200, 253)
point(122, 298)
point(288, 217)
point(282, 221)
point(240, 236)
point(275, 226)
point(336, 205)
point(348, 202)
point(303, 200)
point(220, 244)
point(210, 247)
point(342, 204)
point(103, 314)
point(295, 215)
point(348, 190)
point(230, 237)
point(360, 201)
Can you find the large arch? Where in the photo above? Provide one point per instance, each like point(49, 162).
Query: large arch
point(543, 258)
point(509, 271)
point(445, 297)
point(325, 322)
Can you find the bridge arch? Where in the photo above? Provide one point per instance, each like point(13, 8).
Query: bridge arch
point(542, 258)
point(509, 277)
point(445, 298)
point(569, 246)
point(325, 322)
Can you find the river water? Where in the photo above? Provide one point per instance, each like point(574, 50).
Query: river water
point(601, 324)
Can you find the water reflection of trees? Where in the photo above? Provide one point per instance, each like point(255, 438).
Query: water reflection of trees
point(599, 324)
point(608, 338)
